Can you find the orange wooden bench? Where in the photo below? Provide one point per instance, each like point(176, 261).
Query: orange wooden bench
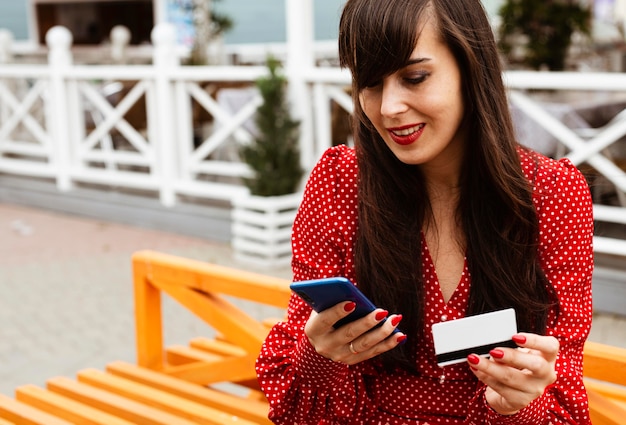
point(180, 385)
point(604, 370)
point(174, 385)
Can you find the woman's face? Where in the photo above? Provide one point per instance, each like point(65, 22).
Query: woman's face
point(419, 109)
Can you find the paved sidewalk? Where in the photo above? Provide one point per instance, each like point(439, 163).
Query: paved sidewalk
point(66, 300)
point(66, 296)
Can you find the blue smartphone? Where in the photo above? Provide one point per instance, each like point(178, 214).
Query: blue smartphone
point(321, 294)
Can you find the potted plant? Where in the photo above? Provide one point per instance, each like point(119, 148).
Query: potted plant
point(538, 33)
point(262, 220)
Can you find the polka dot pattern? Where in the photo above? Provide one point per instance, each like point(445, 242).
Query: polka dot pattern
point(305, 388)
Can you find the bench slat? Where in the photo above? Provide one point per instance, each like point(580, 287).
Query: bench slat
point(616, 392)
point(177, 355)
point(159, 399)
point(24, 414)
point(209, 277)
point(249, 409)
point(605, 363)
point(65, 408)
point(214, 346)
point(205, 368)
point(604, 411)
point(113, 403)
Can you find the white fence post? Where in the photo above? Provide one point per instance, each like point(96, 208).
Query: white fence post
point(120, 38)
point(6, 46)
point(164, 60)
point(6, 56)
point(59, 40)
point(300, 59)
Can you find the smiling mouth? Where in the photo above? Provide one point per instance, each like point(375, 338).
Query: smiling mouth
point(407, 131)
point(406, 135)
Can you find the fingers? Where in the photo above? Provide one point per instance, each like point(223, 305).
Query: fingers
point(510, 389)
point(327, 318)
point(374, 343)
point(356, 341)
point(518, 376)
point(369, 339)
point(535, 355)
point(323, 323)
point(326, 321)
point(547, 346)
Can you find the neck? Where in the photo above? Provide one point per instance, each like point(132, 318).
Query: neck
point(443, 181)
point(443, 174)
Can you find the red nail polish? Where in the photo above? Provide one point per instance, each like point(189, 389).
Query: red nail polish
point(519, 339)
point(497, 354)
point(381, 315)
point(401, 339)
point(396, 320)
point(473, 359)
point(349, 306)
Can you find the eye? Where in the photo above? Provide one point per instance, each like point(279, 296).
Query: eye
point(416, 78)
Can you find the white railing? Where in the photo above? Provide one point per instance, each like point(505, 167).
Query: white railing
point(70, 123)
point(594, 146)
point(79, 123)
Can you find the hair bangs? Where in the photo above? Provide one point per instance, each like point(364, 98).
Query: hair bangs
point(377, 38)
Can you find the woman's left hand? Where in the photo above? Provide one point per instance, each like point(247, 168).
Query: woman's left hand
point(516, 377)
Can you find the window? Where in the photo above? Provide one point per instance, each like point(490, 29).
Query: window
point(91, 21)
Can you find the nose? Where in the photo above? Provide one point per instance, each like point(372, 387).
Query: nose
point(392, 100)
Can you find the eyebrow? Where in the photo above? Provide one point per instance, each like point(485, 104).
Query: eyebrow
point(416, 60)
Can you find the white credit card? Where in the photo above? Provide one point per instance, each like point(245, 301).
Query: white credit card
point(456, 339)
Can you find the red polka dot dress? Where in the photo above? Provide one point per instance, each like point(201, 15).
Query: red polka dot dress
point(305, 388)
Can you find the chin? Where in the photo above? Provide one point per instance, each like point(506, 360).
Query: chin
point(410, 158)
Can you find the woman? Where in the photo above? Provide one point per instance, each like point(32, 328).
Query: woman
point(437, 214)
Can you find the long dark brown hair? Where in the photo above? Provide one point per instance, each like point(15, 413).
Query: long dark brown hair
point(495, 209)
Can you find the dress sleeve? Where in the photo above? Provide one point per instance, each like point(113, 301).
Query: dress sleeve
point(565, 213)
point(302, 386)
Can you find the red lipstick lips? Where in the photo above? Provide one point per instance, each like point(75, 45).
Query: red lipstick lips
point(407, 134)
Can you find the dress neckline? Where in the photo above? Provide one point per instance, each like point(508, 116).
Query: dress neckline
point(435, 287)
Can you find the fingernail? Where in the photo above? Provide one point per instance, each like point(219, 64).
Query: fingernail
point(474, 369)
point(401, 339)
point(381, 315)
point(349, 306)
point(497, 354)
point(473, 359)
point(396, 320)
point(519, 339)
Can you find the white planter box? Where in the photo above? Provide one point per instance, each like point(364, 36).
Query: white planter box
point(261, 228)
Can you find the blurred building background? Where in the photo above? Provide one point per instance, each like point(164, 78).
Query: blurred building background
point(255, 21)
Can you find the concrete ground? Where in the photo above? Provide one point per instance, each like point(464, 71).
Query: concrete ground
point(66, 300)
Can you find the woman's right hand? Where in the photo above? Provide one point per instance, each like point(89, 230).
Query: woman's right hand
point(356, 341)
